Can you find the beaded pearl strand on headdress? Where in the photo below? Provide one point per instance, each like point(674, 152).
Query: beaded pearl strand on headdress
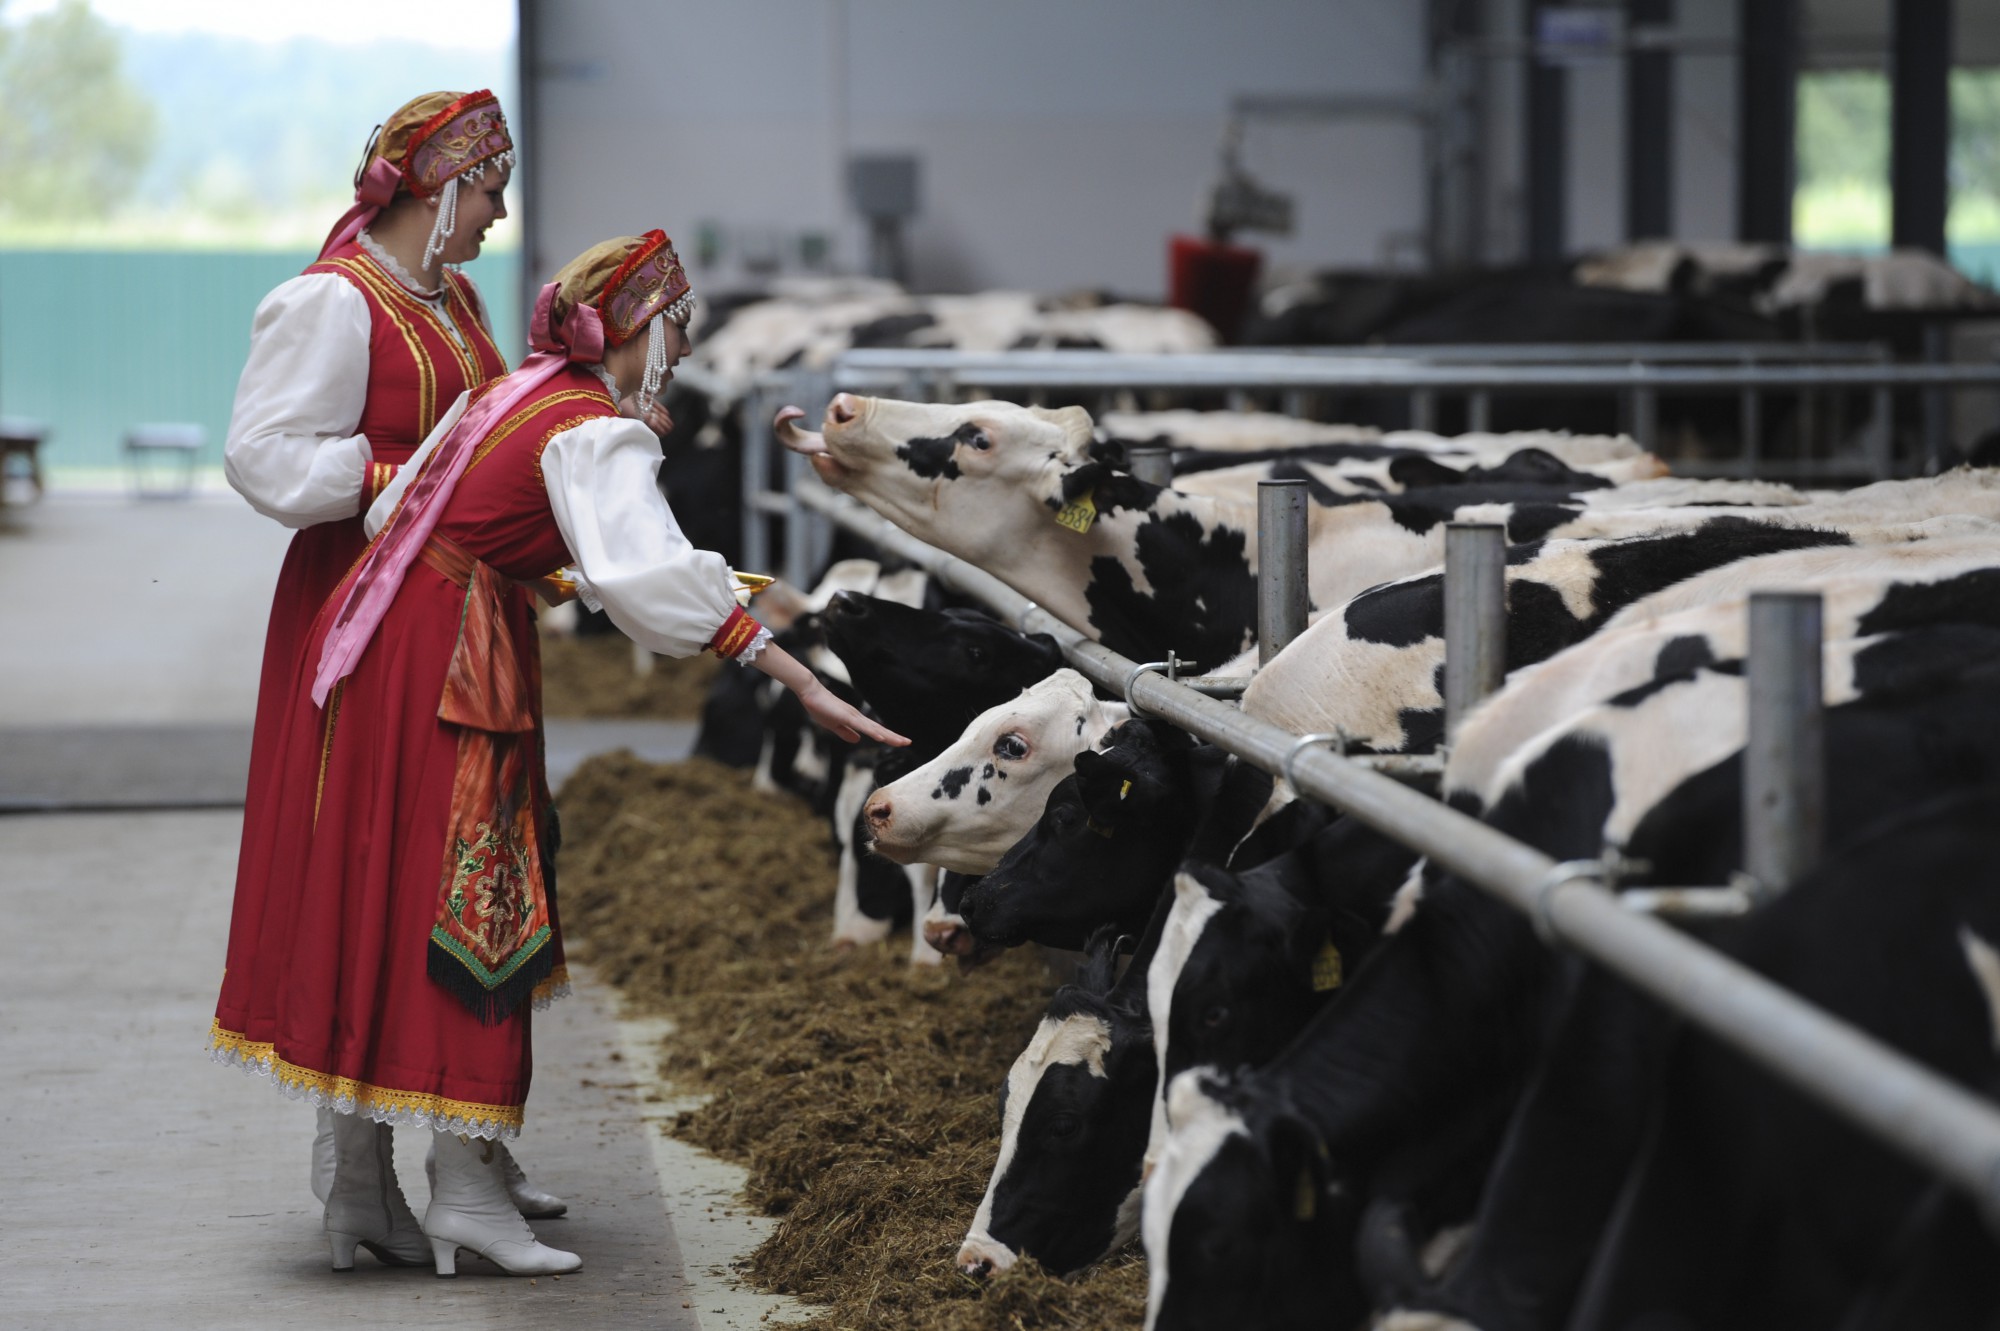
point(447, 213)
point(656, 345)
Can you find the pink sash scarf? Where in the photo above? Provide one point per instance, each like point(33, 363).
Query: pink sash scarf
point(375, 583)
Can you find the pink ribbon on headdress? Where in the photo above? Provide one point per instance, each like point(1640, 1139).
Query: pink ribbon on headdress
point(397, 545)
point(377, 187)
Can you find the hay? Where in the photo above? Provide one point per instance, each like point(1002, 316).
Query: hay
point(858, 1091)
point(593, 677)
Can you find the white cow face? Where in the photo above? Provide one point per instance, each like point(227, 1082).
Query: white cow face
point(971, 477)
point(967, 806)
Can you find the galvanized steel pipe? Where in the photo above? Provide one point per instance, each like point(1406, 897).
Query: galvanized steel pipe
point(1151, 463)
point(1933, 1121)
point(1475, 617)
point(1282, 581)
point(1784, 761)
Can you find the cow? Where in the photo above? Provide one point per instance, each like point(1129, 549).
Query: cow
point(1755, 1208)
point(1374, 669)
point(1065, 1187)
point(965, 807)
point(1654, 773)
point(933, 671)
point(1109, 836)
point(1021, 491)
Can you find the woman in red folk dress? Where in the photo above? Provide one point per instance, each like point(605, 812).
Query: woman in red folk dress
point(351, 364)
point(394, 980)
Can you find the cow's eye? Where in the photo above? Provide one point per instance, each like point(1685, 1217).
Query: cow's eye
point(1214, 1015)
point(1064, 1125)
point(977, 439)
point(1010, 746)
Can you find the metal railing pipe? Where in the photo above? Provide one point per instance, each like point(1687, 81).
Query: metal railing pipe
point(1282, 507)
point(1151, 463)
point(1935, 1122)
point(1784, 761)
point(1475, 617)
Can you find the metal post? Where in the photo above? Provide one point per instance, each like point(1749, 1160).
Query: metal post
point(1751, 409)
point(1645, 418)
point(1151, 463)
point(1937, 351)
point(1281, 565)
point(1479, 412)
point(1784, 763)
point(1423, 410)
point(1475, 617)
point(1881, 437)
point(755, 419)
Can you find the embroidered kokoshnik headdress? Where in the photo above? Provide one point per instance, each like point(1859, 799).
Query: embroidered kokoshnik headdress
point(432, 153)
point(602, 298)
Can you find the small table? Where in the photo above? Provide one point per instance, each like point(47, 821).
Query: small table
point(21, 439)
point(171, 440)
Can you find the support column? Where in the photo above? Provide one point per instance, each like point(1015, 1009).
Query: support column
point(1649, 125)
point(1768, 75)
point(1546, 143)
point(1919, 122)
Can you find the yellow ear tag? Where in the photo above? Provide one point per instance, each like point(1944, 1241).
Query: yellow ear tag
point(1326, 968)
point(1124, 789)
point(1305, 1197)
point(1079, 513)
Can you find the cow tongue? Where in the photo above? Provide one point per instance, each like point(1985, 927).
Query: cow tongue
point(808, 444)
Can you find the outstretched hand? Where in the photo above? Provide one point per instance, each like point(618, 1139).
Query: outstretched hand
point(850, 723)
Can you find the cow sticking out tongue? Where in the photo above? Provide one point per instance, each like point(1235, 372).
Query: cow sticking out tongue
point(809, 444)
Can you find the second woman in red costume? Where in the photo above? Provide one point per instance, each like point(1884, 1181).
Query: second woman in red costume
point(394, 981)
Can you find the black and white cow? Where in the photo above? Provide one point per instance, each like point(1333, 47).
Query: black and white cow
point(1374, 669)
point(1022, 491)
point(1065, 1188)
point(1110, 835)
point(963, 809)
point(933, 671)
point(1654, 772)
point(1753, 1207)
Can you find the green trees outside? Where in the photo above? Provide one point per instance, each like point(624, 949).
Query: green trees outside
point(1842, 199)
point(75, 131)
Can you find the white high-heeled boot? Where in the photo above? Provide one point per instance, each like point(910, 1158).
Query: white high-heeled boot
point(470, 1208)
point(364, 1204)
point(529, 1200)
point(322, 1166)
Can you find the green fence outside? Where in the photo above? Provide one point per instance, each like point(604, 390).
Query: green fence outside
point(95, 342)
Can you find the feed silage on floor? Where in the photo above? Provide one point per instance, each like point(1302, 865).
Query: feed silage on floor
point(859, 1092)
point(593, 677)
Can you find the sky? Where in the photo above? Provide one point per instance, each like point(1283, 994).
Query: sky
point(473, 24)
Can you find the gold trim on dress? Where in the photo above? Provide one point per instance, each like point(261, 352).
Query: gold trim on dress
point(292, 1078)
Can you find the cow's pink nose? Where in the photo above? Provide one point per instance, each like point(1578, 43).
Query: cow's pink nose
point(878, 812)
point(844, 408)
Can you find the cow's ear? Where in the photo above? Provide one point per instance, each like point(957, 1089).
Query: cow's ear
point(1079, 431)
point(1419, 473)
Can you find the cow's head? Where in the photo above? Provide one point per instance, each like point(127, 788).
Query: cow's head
point(1243, 1198)
point(927, 673)
point(971, 477)
point(964, 808)
point(1072, 1114)
point(1106, 842)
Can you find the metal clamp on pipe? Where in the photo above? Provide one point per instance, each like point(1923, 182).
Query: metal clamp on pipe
point(1542, 895)
point(1132, 677)
point(1337, 738)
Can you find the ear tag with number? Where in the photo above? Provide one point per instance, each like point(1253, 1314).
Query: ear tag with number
point(1326, 968)
point(1124, 789)
point(1078, 513)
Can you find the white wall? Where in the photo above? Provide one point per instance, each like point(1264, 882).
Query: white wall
point(1061, 140)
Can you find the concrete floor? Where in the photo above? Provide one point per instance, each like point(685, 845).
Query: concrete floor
point(144, 1186)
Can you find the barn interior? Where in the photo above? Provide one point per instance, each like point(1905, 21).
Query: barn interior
point(1430, 392)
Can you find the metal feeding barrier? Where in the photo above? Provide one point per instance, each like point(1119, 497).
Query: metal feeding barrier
point(1936, 1123)
point(1636, 373)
